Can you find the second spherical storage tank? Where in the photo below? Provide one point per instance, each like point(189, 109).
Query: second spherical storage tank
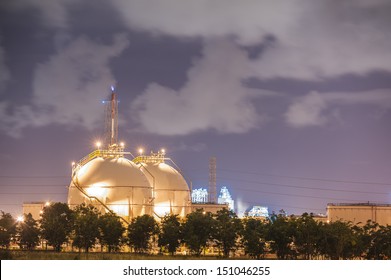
point(171, 194)
point(114, 183)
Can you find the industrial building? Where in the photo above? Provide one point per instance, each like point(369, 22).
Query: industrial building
point(359, 213)
point(258, 211)
point(225, 198)
point(34, 208)
point(110, 181)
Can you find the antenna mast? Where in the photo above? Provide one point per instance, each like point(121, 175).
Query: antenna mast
point(111, 127)
point(212, 180)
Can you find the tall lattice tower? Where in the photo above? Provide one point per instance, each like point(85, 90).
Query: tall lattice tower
point(212, 180)
point(111, 121)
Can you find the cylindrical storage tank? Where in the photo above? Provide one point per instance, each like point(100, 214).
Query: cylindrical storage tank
point(171, 194)
point(114, 183)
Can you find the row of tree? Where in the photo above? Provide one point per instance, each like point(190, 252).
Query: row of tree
point(288, 237)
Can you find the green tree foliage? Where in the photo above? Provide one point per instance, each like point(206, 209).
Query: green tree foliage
point(7, 229)
point(111, 231)
point(254, 237)
point(306, 236)
point(197, 230)
point(28, 232)
point(337, 240)
point(140, 231)
point(170, 233)
point(226, 231)
point(379, 245)
point(281, 234)
point(86, 226)
point(56, 224)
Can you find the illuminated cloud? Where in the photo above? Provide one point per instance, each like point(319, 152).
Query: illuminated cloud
point(212, 98)
point(313, 109)
point(307, 111)
point(313, 39)
point(67, 87)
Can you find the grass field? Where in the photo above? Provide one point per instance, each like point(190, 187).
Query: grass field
point(51, 255)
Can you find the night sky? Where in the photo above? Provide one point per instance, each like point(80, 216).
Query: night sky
point(292, 97)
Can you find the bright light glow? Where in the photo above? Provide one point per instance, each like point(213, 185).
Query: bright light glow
point(112, 88)
point(163, 151)
point(141, 151)
point(98, 144)
point(122, 144)
point(121, 208)
point(97, 190)
point(20, 219)
point(73, 163)
point(47, 203)
point(162, 208)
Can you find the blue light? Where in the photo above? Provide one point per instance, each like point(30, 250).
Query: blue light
point(112, 88)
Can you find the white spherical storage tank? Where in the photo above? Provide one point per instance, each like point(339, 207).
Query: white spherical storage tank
point(111, 183)
point(171, 194)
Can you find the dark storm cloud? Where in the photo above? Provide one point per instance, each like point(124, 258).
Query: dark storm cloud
point(53, 14)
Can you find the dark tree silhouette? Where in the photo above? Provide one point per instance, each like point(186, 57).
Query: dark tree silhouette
point(28, 232)
point(7, 229)
point(254, 237)
point(111, 231)
point(281, 234)
point(306, 236)
point(170, 233)
point(56, 224)
point(226, 231)
point(140, 231)
point(86, 226)
point(197, 230)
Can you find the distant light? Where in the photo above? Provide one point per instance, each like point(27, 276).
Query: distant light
point(47, 203)
point(122, 144)
point(20, 219)
point(204, 212)
point(98, 144)
point(112, 88)
point(141, 151)
point(163, 151)
point(73, 163)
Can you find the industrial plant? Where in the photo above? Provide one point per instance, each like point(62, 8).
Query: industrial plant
point(113, 180)
point(147, 184)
